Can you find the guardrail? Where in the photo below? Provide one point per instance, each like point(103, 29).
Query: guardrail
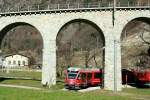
point(77, 6)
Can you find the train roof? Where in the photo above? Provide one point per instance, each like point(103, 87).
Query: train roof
point(84, 69)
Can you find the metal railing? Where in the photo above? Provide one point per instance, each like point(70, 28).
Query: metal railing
point(75, 6)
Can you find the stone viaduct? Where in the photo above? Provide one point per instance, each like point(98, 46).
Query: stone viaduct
point(49, 23)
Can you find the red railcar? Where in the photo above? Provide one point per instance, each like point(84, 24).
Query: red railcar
point(136, 77)
point(128, 77)
point(77, 78)
point(143, 77)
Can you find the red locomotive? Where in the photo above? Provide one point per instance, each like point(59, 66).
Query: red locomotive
point(77, 78)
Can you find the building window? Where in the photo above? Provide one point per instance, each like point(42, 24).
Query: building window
point(9, 62)
point(14, 62)
point(19, 63)
point(23, 63)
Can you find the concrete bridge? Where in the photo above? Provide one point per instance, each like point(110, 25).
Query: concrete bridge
point(111, 20)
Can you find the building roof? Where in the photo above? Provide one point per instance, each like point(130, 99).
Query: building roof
point(7, 55)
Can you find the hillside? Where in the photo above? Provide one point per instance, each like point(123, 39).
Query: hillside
point(24, 40)
point(134, 49)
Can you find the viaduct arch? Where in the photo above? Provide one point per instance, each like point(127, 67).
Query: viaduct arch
point(49, 24)
point(77, 39)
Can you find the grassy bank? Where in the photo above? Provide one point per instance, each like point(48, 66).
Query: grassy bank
point(22, 74)
point(19, 77)
point(138, 91)
point(23, 94)
point(54, 93)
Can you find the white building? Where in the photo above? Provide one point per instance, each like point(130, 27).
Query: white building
point(1, 61)
point(15, 60)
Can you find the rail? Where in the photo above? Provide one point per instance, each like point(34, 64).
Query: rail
point(75, 6)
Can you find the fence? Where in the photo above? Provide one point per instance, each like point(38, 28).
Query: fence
point(92, 5)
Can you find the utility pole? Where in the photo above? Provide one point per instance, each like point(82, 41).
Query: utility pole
point(115, 48)
point(114, 10)
point(115, 66)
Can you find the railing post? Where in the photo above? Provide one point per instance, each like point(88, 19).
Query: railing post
point(28, 8)
point(38, 7)
point(57, 6)
point(48, 7)
point(128, 3)
point(140, 4)
point(88, 5)
point(8, 10)
point(119, 4)
point(78, 5)
point(18, 8)
point(114, 5)
point(68, 5)
point(99, 5)
point(109, 4)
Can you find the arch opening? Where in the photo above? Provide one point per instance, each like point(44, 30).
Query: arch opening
point(135, 40)
point(80, 43)
point(21, 47)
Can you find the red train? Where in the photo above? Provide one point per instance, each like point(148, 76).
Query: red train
point(136, 77)
point(77, 78)
point(143, 77)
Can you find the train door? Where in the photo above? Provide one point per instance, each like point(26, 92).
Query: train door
point(97, 78)
point(83, 79)
point(89, 79)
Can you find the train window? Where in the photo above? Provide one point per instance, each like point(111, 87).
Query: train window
point(97, 75)
point(79, 76)
point(83, 76)
point(72, 75)
point(89, 75)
